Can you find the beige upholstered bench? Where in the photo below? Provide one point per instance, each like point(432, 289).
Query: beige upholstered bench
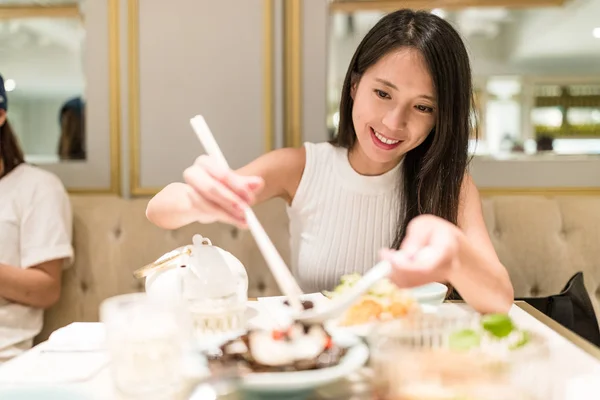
point(542, 242)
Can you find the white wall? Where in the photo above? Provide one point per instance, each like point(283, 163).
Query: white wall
point(199, 57)
point(314, 70)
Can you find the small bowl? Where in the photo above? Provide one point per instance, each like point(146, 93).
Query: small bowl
point(430, 294)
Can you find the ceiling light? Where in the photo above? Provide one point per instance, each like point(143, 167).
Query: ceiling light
point(596, 33)
point(10, 85)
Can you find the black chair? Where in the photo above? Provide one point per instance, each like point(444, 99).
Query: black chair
point(572, 308)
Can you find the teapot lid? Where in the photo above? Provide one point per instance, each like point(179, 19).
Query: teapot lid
point(165, 261)
point(213, 276)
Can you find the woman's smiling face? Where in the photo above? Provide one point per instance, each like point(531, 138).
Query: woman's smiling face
point(394, 111)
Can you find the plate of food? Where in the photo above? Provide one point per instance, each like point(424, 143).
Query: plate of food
point(289, 363)
point(383, 302)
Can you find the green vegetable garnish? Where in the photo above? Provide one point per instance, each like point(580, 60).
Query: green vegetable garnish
point(499, 325)
point(383, 288)
point(523, 340)
point(464, 340)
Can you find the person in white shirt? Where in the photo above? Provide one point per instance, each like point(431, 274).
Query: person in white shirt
point(35, 242)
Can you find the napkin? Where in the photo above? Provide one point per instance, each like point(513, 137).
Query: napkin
point(77, 337)
point(38, 367)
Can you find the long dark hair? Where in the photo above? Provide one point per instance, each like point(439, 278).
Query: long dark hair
point(433, 172)
point(71, 145)
point(11, 154)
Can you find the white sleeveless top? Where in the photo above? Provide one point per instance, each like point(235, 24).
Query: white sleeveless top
point(339, 219)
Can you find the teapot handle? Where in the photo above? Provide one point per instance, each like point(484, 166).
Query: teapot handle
point(198, 239)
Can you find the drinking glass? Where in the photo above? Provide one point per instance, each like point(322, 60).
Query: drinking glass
point(412, 359)
point(146, 341)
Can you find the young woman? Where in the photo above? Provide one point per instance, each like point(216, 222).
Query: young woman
point(395, 177)
point(35, 242)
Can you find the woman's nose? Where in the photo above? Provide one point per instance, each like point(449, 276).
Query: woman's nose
point(395, 120)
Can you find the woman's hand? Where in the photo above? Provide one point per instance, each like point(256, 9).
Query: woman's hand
point(219, 194)
point(428, 253)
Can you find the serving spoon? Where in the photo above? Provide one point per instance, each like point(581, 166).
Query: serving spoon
point(337, 306)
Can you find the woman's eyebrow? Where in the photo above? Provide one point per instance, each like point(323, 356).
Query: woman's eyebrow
point(391, 85)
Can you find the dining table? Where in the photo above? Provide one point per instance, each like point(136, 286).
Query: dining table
point(573, 368)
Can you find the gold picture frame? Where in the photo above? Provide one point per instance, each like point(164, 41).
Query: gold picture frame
point(71, 11)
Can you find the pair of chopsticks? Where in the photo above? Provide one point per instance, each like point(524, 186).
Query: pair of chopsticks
point(279, 269)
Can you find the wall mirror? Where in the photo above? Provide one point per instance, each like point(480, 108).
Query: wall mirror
point(536, 71)
point(60, 61)
point(41, 60)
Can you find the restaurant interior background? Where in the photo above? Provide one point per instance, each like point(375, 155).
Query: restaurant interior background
point(140, 70)
point(266, 74)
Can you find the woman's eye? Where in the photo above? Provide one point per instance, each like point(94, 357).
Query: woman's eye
point(425, 109)
point(382, 94)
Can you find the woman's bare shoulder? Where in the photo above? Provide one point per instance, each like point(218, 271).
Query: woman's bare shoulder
point(281, 169)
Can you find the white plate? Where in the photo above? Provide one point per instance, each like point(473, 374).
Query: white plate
point(42, 392)
point(283, 384)
point(429, 297)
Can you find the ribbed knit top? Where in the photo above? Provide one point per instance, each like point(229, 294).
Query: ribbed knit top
point(339, 219)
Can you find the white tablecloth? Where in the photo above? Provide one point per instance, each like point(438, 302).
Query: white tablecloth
point(86, 367)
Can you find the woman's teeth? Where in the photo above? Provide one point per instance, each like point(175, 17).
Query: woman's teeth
point(384, 139)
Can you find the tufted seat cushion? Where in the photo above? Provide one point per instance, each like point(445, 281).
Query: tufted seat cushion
point(542, 242)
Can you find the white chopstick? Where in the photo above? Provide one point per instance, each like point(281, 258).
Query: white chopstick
point(279, 269)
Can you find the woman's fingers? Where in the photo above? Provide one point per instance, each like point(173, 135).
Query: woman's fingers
point(426, 254)
point(244, 186)
point(209, 212)
point(217, 194)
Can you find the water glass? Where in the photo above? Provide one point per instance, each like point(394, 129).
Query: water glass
point(147, 343)
point(412, 359)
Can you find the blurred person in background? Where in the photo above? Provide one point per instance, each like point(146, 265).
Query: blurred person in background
point(71, 145)
point(35, 241)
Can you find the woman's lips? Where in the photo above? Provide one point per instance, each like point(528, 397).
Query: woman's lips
point(382, 142)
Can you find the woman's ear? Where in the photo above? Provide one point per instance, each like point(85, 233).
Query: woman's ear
point(354, 85)
point(353, 90)
point(2, 116)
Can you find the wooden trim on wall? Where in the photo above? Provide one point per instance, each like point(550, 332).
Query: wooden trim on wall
point(269, 73)
point(39, 11)
point(292, 72)
point(389, 5)
point(114, 61)
point(539, 191)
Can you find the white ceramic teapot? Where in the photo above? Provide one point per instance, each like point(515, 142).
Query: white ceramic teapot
point(211, 282)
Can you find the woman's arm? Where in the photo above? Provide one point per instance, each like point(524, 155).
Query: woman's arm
point(44, 246)
point(437, 250)
point(38, 286)
point(479, 276)
point(279, 172)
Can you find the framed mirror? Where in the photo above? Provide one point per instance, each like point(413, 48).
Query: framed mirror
point(44, 78)
point(65, 120)
point(536, 72)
